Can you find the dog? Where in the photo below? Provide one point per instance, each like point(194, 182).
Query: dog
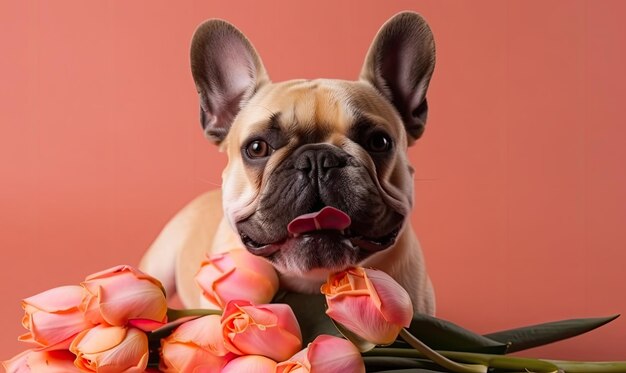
point(317, 178)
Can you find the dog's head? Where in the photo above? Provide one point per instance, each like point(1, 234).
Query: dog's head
point(317, 176)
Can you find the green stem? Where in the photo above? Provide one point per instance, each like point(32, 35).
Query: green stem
point(511, 362)
point(586, 367)
point(174, 314)
point(438, 358)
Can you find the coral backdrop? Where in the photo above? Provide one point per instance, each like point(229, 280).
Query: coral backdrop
point(521, 174)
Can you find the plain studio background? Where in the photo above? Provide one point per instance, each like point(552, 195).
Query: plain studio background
point(520, 177)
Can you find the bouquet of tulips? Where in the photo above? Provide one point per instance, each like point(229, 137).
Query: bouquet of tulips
point(117, 320)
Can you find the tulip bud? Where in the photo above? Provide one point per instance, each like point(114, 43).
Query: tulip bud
point(237, 274)
point(325, 354)
point(250, 364)
point(114, 348)
point(195, 346)
point(58, 361)
point(269, 330)
point(123, 293)
point(54, 316)
point(369, 303)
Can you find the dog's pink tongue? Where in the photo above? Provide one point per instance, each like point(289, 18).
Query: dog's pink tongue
point(326, 218)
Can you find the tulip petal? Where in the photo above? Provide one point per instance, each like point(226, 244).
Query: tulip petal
point(146, 325)
point(61, 298)
point(237, 274)
point(330, 354)
point(285, 316)
point(50, 328)
point(98, 339)
point(250, 330)
point(58, 361)
point(131, 354)
point(115, 271)
point(187, 357)
point(250, 364)
point(360, 316)
point(257, 340)
point(249, 285)
point(204, 332)
point(124, 293)
point(395, 302)
point(207, 277)
point(291, 367)
point(298, 363)
point(18, 363)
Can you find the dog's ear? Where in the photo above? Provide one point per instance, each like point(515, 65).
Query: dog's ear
point(399, 64)
point(227, 72)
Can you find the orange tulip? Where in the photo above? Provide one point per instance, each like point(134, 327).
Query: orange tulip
point(53, 316)
point(237, 274)
point(59, 361)
point(250, 364)
point(269, 330)
point(326, 354)
point(111, 349)
point(195, 346)
point(120, 294)
point(368, 303)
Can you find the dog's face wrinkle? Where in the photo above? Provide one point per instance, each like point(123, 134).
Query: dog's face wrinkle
point(289, 194)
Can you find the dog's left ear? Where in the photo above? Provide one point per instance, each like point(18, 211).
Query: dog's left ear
point(400, 63)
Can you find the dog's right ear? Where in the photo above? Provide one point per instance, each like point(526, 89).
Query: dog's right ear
point(227, 72)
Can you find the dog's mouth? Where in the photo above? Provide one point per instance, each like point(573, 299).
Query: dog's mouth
point(330, 223)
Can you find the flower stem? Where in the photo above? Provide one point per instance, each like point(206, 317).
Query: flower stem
point(174, 314)
point(511, 362)
point(438, 358)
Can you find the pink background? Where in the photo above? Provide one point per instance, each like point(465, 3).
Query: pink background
point(521, 177)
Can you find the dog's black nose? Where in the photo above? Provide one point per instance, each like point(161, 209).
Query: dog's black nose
point(319, 159)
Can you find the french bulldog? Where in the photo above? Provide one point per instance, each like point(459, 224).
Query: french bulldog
point(317, 178)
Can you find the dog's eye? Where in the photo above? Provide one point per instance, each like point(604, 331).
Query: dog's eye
point(258, 149)
point(379, 142)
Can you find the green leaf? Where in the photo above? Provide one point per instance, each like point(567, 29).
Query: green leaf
point(440, 334)
point(310, 310)
point(400, 364)
point(538, 335)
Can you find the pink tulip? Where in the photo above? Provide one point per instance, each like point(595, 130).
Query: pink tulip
point(111, 349)
point(237, 274)
point(54, 316)
point(195, 346)
point(368, 303)
point(269, 330)
point(326, 354)
point(250, 364)
point(58, 361)
point(123, 293)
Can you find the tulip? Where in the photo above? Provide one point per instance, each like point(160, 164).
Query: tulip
point(250, 364)
point(325, 354)
point(195, 346)
point(111, 349)
point(123, 293)
point(58, 361)
point(237, 274)
point(269, 330)
point(369, 303)
point(53, 316)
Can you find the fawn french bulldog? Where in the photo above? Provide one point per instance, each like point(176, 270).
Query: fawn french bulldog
point(317, 178)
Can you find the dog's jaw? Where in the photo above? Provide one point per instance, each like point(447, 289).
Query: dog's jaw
point(308, 283)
